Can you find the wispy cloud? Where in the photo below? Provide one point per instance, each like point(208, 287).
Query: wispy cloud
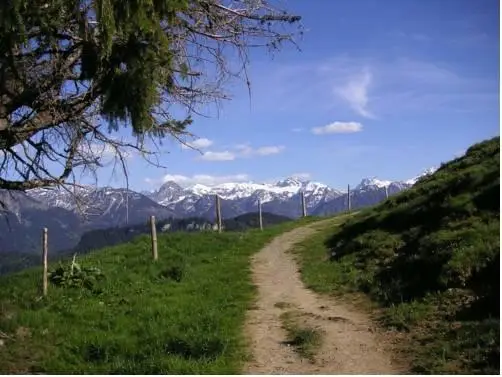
point(472, 38)
point(103, 150)
point(241, 151)
point(244, 150)
point(297, 129)
point(338, 128)
point(217, 156)
point(416, 36)
point(355, 92)
point(374, 87)
point(265, 151)
point(205, 179)
point(201, 143)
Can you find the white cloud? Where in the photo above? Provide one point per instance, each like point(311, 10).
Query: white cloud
point(247, 151)
point(104, 150)
point(242, 151)
point(338, 128)
point(355, 92)
point(297, 129)
point(218, 156)
point(381, 87)
point(205, 179)
point(201, 143)
point(265, 151)
point(178, 178)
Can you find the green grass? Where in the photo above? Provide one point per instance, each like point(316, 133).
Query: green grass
point(429, 257)
point(180, 315)
point(282, 305)
point(306, 340)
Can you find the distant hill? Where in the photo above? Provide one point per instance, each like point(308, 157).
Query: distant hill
point(68, 212)
point(431, 255)
point(99, 238)
point(113, 236)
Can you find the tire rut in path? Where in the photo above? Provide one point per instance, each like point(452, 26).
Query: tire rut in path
point(350, 342)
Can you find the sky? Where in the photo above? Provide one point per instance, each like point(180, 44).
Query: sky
point(379, 89)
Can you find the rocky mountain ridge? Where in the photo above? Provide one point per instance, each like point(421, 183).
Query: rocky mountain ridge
point(70, 213)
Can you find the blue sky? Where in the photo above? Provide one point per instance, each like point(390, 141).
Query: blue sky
point(380, 88)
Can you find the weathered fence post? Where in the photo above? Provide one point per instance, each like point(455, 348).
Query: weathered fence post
point(155, 254)
point(386, 192)
point(44, 261)
point(218, 212)
point(260, 214)
point(348, 198)
point(304, 207)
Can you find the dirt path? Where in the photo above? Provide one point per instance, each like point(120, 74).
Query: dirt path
point(350, 343)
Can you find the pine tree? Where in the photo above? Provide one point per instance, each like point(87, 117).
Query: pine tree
point(73, 71)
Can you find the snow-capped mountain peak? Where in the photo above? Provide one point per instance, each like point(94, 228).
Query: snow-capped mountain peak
point(170, 185)
point(200, 189)
point(425, 172)
point(292, 181)
point(372, 183)
point(282, 197)
point(169, 192)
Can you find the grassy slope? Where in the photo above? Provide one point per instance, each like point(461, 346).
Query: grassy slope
point(430, 258)
point(139, 319)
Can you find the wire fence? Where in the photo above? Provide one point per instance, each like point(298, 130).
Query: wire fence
point(218, 226)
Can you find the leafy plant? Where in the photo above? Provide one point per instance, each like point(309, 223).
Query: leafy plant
point(73, 275)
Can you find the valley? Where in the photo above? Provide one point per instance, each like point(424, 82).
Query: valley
point(71, 213)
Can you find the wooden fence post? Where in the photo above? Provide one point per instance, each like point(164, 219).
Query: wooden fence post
point(304, 207)
point(386, 192)
point(155, 254)
point(44, 261)
point(218, 212)
point(260, 214)
point(348, 198)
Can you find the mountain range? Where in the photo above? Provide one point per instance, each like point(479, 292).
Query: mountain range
point(69, 213)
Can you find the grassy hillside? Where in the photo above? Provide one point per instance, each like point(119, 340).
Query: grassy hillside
point(100, 238)
point(430, 257)
point(125, 314)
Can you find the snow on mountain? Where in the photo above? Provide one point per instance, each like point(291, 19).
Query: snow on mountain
point(372, 183)
point(290, 182)
point(266, 192)
point(71, 212)
point(232, 191)
point(68, 198)
point(101, 207)
point(424, 173)
point(170, 192)
point(111, 206)
point(376, 184)
point(199, 189)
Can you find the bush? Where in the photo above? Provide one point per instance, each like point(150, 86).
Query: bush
point(73, 275)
